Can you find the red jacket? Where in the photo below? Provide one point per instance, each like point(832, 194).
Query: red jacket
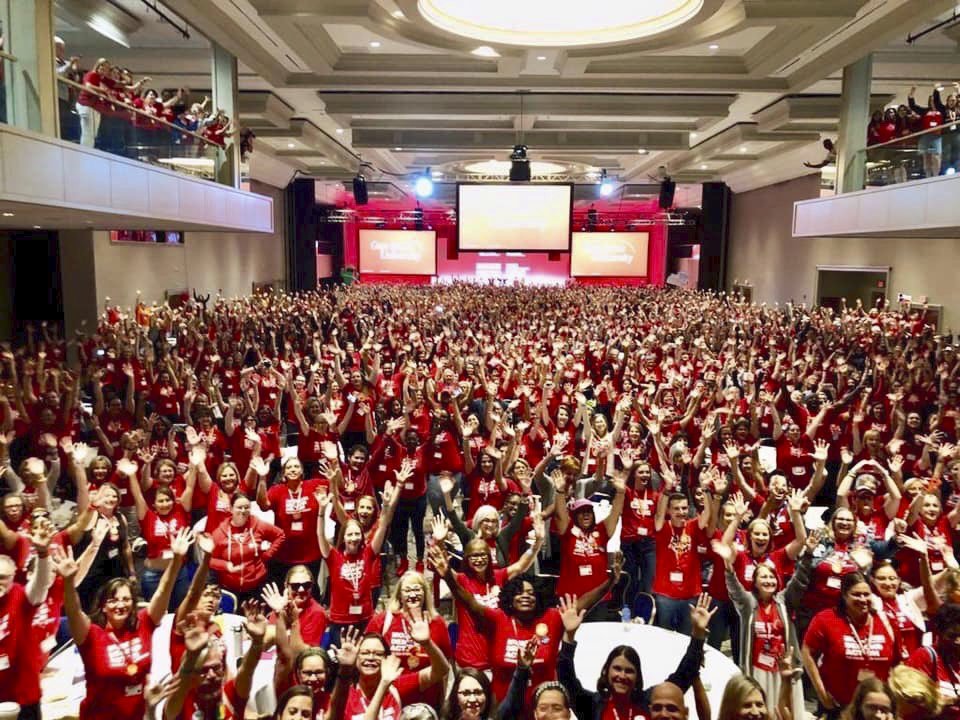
point(248, 547)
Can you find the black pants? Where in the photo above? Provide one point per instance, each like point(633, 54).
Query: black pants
point(409, 514)
point(29, 712)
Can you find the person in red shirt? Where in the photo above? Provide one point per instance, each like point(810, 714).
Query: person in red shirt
point(847, 644)
point(204, 691)
point(295, 512)
point(941, 662)
point(583, 541)
point(636, 532)
point(412, 597)
point(116, 643)
point(523, 614)
point(677, 581)
point(298, 587)
point(242, 547)
point(218, 501)
point(380, 689)
point(19, 669)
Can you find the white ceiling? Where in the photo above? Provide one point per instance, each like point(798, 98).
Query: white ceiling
point(726, 113)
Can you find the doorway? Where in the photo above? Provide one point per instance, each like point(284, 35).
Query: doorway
point(836, 283)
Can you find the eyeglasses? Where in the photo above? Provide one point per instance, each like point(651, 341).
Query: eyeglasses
point(300, 586)
point(470, 693)
point(311, 673)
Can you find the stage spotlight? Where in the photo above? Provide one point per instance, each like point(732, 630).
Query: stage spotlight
point(519, 164)
point(424, 184)
point(606, 185)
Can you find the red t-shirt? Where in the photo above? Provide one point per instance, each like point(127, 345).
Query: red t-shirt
point(639, 510)
point(401, 690)
point(231, 706)
point(746, 565)
point(351, 580)
point(19, 679)
point(159, 531)
point(218, 508)
point(296, 514)
point(769, 638)
point(510, 634)
point(845, 657)
point(313, 622)
point(583, 557)
point(678, 563)
point(932, 664)
point(473, 646)
point(413, 658)
point(116, 665)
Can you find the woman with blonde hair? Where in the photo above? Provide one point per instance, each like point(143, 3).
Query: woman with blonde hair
point(744, 698)
point(872, 700)
point(915, 696)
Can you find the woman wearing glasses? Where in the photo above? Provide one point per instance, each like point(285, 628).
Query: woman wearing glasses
point(471, 697)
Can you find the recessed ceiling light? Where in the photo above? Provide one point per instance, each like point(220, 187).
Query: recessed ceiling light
point(693, 136)
point(339, 131)
point(541, 57)
point(8, 214)
point(397, 149)
point(642, 151)
point(36, 227)
point(714, 46)
point(485, 51)
point(291, 145)
point(743, 149)
point(374, 43)
point(398, 14)
point(703, 167)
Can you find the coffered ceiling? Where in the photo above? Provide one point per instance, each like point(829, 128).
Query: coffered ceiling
point(739, 90)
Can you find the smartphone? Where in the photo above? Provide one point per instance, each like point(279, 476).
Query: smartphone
point(100, 352)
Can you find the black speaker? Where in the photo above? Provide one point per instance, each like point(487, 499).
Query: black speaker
point(360, 190)
point(715, 227)
point(667, 188)
point(304, 223)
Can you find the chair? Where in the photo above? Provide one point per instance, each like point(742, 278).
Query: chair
point(644, 608)
point(454, 630)
point(228, 602)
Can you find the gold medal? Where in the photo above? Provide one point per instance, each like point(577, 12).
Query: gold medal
point(413, 661)
point(132, 669)
point(541, 630)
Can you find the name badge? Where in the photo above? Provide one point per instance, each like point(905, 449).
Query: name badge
point(766, 661)
point(438, 456)
point(676, 578)
point(4, 662)
point(49, 643)
point(833, 582)
point(167, 554)
point(748, 572)
point(936, 566)
point(382, 468)
point(642, 531)
point(408, 486)
point(349, 505)
point(113, 552)
point(355, 610)
point(296, 526)
point(586, 570)
point(799, 470)
point(131, 690)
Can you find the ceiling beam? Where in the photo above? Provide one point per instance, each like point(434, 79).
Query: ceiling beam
point(544, 140)
point(424, 63)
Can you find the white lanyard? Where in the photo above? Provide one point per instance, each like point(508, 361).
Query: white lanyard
point(864, 647)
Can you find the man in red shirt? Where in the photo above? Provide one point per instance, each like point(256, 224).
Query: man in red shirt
point(677, 583)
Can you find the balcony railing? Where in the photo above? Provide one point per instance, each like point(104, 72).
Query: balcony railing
point(929, 153)
point(103, 122)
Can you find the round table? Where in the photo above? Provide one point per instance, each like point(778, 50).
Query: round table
point(660, 652)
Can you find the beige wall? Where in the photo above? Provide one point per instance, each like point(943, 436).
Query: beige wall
point(763, 251)
point(208, 262)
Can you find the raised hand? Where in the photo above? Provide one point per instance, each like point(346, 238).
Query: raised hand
point(41, 533)
point(797, 501)
point(559, 481)
point(349, 647)
point(570, 615)
point(439, 528)
point(700, 615)
point(259, 466)
point(274, 599)
point(194, 631)
point(914, 542)
point(255, 621)
point(439, 559)
point(821, 449)
point(419, 629)
point(727, 553)
point(205, 542)
point(180, 544)
point(528, 652)
point(846, 456)
point(390, 670)
point(64, 563)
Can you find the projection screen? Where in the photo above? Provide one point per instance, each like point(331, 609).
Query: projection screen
point(398, 252)
point(609, 254)
point(514, 218)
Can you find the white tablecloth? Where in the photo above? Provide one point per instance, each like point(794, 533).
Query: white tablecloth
point(660, 652)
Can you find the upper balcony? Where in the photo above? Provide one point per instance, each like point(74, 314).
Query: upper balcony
point(912, 183)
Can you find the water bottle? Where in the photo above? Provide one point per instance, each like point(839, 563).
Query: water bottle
point(625, 614)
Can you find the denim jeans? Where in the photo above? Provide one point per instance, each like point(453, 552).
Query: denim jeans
point(639, 566)
point(410, 514)
point(725, 622)
point(150, 581)
point(673, 614)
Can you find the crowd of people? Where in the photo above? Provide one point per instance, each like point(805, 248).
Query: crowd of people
point(104, 107)
point(939, 146)
point(780, 483)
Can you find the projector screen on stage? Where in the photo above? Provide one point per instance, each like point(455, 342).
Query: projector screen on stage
point(398, 252)
point(609, 254)
point(508, 218)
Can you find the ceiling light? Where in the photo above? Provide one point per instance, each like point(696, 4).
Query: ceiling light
point(743, 149)
point(291, 145)
point(36, 227)
point(398, 14)
point(693, 136)
point(541, 58)
point(436, 174)
point(642, 151)
point(8, 214)
point(703, 167)
point(339, 131)
point(501, 168)
point(547, 23)
point(606, 184)
point(424, 184)
point(714, 46)
point(485, 51)
point(397, 149)
point(374, 43)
